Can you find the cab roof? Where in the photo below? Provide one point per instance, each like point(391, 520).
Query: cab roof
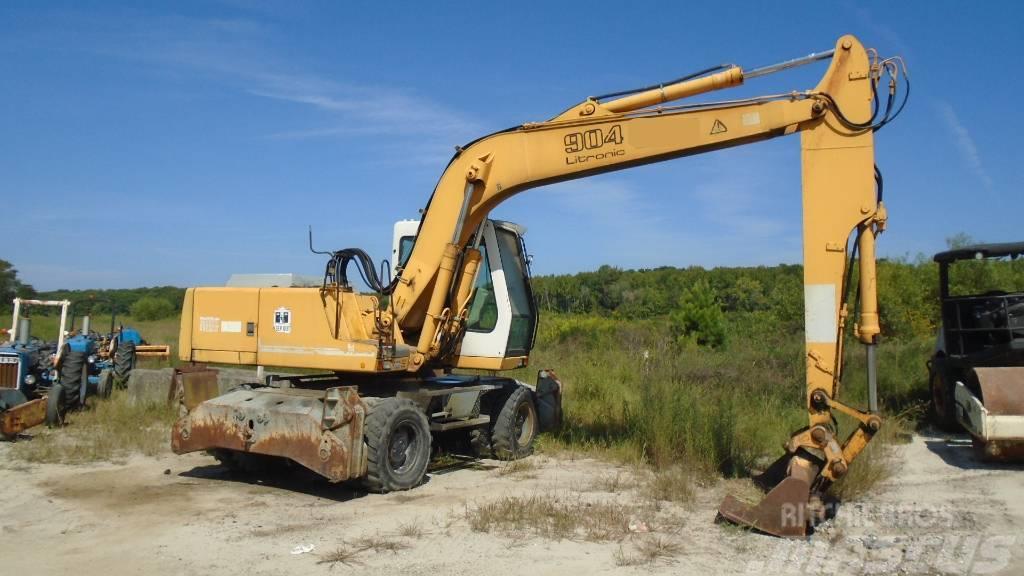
point(979, 251)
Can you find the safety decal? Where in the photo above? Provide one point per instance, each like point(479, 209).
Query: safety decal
point(283, 321)
point(718, 127)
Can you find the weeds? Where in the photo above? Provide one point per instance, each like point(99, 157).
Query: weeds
point(523, 468)
point(551, 517)
point(615, 484)
point(379, 543)
point(411, 530)
point(874, 464)
point(671, 485)
point(341, 555)
point(649, 551)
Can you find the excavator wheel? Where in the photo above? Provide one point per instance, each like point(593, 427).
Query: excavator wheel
point(397, 437)
point(516, 426)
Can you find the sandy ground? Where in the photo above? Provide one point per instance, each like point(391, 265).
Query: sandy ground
point(942, 513)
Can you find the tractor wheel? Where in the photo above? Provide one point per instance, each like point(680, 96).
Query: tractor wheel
point(943, 402)
point(516, 426)
point(106, 385)
point(124, 361)
point(56, 406)
point(73, 368)
point(398, 440)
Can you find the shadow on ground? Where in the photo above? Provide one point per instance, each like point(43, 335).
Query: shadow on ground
point(959, 451)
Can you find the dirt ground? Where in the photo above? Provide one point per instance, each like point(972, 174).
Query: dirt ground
point(942, 513)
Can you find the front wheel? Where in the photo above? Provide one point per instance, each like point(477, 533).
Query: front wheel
point(106, 385)
point(56, 405)
point(516, 427)
point(397, 439)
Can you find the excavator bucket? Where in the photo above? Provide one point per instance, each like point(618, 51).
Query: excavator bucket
point(786, 510)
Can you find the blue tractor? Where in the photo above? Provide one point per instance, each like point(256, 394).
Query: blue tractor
point(27, 372)
point(90, 364)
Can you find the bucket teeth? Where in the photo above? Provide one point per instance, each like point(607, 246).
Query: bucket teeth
point(786, 510)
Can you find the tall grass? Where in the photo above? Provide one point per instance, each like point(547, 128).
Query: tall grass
point(630, 392)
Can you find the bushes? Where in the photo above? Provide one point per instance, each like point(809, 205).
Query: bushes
point(151, 308)
point(699, 319)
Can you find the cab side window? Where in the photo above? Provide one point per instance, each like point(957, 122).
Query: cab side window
point(483, 309)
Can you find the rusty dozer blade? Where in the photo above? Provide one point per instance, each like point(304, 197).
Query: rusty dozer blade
point(787, 510)
point(21, 417)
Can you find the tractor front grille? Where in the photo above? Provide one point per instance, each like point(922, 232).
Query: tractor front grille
point(9, 368)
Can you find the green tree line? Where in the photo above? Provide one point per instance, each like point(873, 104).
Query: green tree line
point(702, 305)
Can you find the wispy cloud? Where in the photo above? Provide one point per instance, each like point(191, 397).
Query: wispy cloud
point(239, 54)
point(964, 143)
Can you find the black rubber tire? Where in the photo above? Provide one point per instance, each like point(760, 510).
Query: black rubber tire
point(73, 368)
point(106, 384)
point(943, 407)
point(56, 406)
point(515, 428)
point(124, 361)
point(397, 437)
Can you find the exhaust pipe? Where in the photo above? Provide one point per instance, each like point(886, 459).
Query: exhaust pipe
point(24, 331)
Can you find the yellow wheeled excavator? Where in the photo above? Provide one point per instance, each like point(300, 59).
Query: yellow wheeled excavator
point(460, 297)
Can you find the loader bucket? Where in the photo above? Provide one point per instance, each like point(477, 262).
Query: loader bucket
point(786, 510)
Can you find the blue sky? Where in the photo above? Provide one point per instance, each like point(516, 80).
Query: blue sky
point(176, 143)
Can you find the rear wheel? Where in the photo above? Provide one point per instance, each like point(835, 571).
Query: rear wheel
point(74, 367)
point(397, 439)
point(515, 428)
point(943, 403)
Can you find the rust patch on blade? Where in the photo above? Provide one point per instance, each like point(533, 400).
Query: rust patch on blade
point(22, 417)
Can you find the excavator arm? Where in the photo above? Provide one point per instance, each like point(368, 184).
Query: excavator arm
point(842, 214)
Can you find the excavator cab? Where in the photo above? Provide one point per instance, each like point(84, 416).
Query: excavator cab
point(501, 321)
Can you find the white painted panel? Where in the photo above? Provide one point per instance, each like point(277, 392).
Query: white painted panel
point(820, 313)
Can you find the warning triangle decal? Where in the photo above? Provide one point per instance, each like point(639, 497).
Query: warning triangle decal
point(718, 128)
